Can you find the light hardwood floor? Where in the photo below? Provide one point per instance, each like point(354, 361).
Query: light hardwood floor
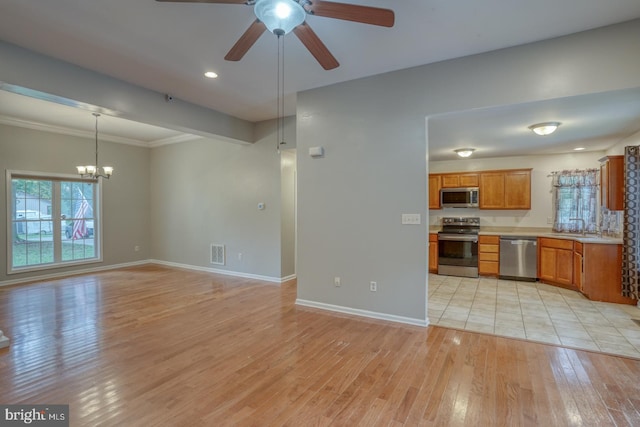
point(153, 346)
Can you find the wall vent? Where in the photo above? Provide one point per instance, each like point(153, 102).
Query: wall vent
point(217, 254)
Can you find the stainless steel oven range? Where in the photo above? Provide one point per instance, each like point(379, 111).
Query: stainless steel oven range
point(458, 246)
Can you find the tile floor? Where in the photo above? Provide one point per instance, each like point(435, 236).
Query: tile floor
point(533, 311)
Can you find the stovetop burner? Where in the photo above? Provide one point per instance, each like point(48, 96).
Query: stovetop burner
point(460, 225)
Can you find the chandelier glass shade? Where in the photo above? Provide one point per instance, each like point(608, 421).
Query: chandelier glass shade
point(93, 171)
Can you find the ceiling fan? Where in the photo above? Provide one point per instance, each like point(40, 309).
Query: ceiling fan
point(283, 16)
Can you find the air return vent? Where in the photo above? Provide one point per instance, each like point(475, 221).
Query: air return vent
point(217, 254)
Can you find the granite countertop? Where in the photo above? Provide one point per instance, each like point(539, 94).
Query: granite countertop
point(541, 232)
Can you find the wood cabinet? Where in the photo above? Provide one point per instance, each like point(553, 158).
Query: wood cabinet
point(500, 189)
point(602, 273)
point(505, 189)
point(555, 262)
point(612, 182)
point(433, 252)
point(577, 265)
point(435, 184)
point(488, 255)
point(457, 180)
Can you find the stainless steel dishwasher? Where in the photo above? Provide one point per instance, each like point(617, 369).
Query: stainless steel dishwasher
point(518, 257)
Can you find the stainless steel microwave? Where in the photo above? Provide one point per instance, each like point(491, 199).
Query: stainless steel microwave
point(459, 197)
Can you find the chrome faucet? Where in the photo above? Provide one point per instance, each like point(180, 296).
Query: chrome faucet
point(584, 225)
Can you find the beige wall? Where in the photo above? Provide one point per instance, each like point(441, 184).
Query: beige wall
point(373, 131)
point(207, 191)
point(125, 197)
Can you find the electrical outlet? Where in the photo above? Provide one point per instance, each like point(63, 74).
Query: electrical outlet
point(549, 220)
point(337, 282)
point(136, 248)
point(373, 286)
point(239, 256)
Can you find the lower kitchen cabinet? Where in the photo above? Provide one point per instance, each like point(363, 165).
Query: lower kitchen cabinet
point(555, 262)
point(577, 265)
point(602, 273)
point(433, 252)
point(488, 255)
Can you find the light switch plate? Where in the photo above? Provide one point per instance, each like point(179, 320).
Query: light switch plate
point(411, 219)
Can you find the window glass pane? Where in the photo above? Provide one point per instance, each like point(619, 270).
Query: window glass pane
point(575, 195)
point(33, 206)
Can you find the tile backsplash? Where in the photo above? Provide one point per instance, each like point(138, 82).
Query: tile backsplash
point(611, 222)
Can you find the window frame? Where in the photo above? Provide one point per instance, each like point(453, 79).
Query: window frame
point(97, 218)
point(589, 226)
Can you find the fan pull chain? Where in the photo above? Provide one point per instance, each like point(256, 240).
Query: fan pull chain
point(280, 93)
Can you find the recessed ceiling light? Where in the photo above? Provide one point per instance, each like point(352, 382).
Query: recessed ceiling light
point(578, 149)
point(210, 75)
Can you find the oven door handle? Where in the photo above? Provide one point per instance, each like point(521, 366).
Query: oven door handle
point(458, 238)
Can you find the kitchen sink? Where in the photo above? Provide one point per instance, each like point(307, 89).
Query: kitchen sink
point(589, 238)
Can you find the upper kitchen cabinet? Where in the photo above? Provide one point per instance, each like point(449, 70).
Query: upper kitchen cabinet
point(457, 180)
point(505, 189)
point(435, 184)
point(612, 182)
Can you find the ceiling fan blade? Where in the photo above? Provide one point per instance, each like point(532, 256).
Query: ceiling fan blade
point(245, 41)
point(204, 1)
point(352, 12)
point(313, 43)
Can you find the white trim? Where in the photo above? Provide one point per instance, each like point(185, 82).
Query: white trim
point(224, 272)
point(63, 130)
point(143, 262)
point(287, 278)
point(186, 137)
point(71, 273)
point(363, 313)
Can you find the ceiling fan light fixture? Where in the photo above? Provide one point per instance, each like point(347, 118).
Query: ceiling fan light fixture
point(464, 152)
point(546, 128)
point(280, 16)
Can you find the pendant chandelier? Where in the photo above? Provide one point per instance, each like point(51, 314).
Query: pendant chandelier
point(93, 171)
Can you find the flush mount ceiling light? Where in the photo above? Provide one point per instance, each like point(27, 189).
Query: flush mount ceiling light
point(545, 128)
point(211, 75)
point(464, 152)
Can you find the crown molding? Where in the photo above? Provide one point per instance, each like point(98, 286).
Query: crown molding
point(63, 130)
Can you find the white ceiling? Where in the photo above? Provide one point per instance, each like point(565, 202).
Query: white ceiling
point(166, 47)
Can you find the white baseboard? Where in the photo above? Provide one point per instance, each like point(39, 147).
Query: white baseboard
point(147, 261)
point(71, 273)
point(363, 313)
point(225, 272)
